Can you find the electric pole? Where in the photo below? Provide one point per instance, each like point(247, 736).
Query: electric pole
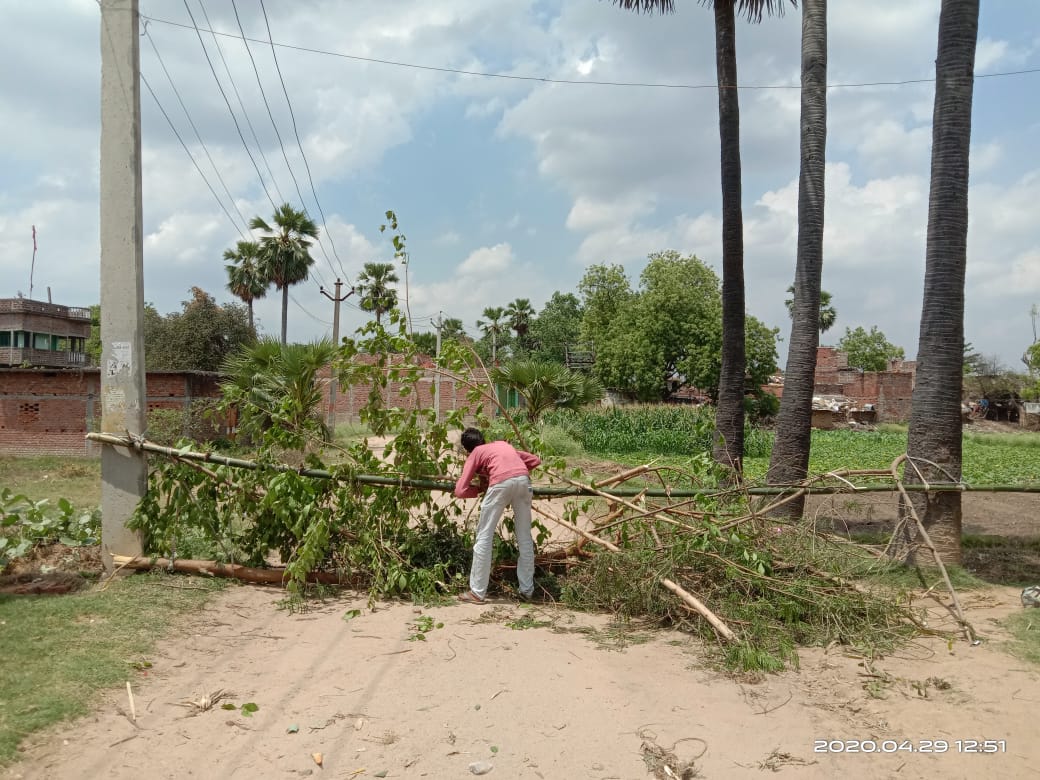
point(437, 374)
point(333, 381)
point(124, 471)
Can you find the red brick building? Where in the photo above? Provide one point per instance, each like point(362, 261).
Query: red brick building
point(49, 411)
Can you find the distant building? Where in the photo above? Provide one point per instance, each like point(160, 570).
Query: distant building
point(34, 333)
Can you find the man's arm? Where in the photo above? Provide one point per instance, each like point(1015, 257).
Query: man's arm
point(465, 488)
point(531, 461)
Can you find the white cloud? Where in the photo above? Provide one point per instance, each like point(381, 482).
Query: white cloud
point(487, 261)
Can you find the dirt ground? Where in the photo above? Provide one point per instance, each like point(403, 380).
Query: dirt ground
point(570, 698)
point(541, 692)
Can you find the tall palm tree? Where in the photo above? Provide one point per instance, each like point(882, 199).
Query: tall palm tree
point(828, 314)
point(245, 279)
point(374, 291)
point(811, 310)
point(519, 313)
point(285, 257)
point(934, 439)
point(492, 325)
point(729, 413)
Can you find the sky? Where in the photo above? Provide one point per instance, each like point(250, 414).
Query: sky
point(510, 185)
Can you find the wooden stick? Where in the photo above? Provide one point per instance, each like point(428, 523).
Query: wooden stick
point(688, 598)
point(696, 605)
point(217, 569)
point(969, 632)
point(622, 477)
point(133, 709)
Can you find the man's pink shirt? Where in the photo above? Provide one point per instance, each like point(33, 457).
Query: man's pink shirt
point(493, 462)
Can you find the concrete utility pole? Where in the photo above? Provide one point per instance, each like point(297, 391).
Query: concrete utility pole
point(437, 375)
point(124, 472)
point(333, 382)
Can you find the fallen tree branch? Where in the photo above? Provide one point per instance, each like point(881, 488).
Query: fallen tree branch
point(217, 569)
point(687, 598)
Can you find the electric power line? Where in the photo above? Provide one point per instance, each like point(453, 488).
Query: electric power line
point(228, 104)
point(191, 156)
point(274, 124)
point(303, 154)
point(197, 134)
point(593, 82)
point(241, 104)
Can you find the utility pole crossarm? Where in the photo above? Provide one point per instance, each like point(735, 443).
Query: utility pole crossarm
point(337, 299)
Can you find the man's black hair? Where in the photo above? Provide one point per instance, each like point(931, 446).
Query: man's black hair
point(471, 439)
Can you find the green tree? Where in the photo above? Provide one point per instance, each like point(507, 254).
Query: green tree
point(246, 280)
point(828, 314)
point(557, 327)
point(544, 385)
point(452, 328)
point(869, 351)
point(605, 291)
point(374, 288)
point(811, 311)
point(493, 328)
point(274, 387)
point(197, 338)
point(729, 413)
point(93, 345)
point(668, 334)
point(285, 257)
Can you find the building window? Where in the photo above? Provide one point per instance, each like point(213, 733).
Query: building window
point(41, 341)
point(21, 339)
point(5, 338)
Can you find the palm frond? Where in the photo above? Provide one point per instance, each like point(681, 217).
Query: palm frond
point(646, 6)
point(754, 10)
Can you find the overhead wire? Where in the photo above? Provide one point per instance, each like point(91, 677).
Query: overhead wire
point(191, 156)
point(241, 103)
point(299, 143)
point(228, 104)
point(594, 82)
point(274, 124)
point(198, 135)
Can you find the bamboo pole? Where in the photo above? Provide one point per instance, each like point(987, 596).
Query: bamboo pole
point(548, 491)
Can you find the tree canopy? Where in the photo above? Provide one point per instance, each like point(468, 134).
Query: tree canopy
point(557, 327)
point(197, 338)
point(869, 351)
point(668, 334)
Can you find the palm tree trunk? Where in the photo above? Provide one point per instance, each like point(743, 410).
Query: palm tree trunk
point(252, 327)
point(285, 312)
point(790, 458)
point(935, 416)
point(729, 414)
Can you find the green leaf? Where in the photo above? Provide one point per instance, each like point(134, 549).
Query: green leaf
point(350, 614)
point(228, 706)
point(249, 708)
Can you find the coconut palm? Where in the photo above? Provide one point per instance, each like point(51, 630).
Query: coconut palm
point(810, 307)
point(544, 385)
point(285, 257)
point(934, 439)
point(245, 279)
point(493, 326)
point(729, 413)
point(373, 288)
point(520, 313)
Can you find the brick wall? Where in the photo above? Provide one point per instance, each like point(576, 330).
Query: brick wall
point(889, 391)
point(50, 411)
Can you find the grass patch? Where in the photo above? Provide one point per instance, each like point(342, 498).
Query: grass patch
point(1025, 628)
point(59, 651)
point(53, 477)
